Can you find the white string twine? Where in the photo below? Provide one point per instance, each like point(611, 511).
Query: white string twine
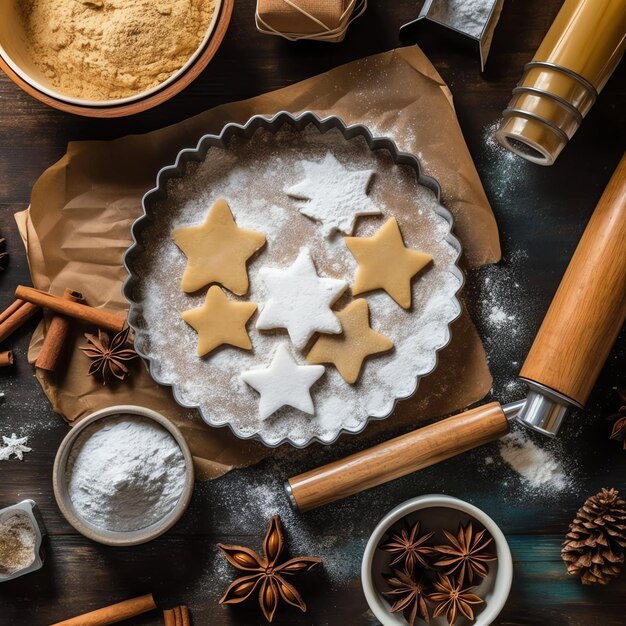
point(353, 10)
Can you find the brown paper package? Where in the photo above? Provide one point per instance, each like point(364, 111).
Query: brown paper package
point(78, 227)
point(283, 17)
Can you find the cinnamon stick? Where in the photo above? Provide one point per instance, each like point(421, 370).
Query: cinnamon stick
point(178, 616)
point(56, 336)
point(10, 310)
point(185, 614)
point(114, 613)
point(6, 358)
point(82, 312)
point(169, 617)
point(19, 316)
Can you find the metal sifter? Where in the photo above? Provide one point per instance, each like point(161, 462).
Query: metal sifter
point(574, 340)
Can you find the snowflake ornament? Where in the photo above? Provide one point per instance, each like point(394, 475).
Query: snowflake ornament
point(14, 446)
point(336, 195)
point(299, 300)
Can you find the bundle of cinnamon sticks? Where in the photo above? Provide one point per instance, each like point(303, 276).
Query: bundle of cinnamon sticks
point(71, 305)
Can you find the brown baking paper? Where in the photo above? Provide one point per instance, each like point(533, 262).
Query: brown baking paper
point(78, 228)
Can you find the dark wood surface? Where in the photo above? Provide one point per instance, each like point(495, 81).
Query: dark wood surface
point(541, 212)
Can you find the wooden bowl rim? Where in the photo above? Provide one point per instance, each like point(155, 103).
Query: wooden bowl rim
point(219, 31)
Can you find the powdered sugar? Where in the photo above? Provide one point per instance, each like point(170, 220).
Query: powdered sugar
point(336, 196)
point(283, 383)
point(125, 473)
point(252, 184)
point(468, 16)
point(539, 469)
point(299, 300)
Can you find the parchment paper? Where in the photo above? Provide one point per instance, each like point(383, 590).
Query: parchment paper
point(78, 227)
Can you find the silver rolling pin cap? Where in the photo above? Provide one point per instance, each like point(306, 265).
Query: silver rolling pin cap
point(544, 411)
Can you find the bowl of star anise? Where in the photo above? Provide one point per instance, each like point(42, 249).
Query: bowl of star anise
point(436, 560)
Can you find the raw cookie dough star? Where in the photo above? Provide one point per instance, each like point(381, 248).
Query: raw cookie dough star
point(385, 263)
point(336, 195)
point(283, 383)
point(299, 300)
point(15, 446)
point(220, 321)
point(217, 251)
point(348, 350)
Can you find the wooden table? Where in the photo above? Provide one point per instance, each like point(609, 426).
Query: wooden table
point(541, 212)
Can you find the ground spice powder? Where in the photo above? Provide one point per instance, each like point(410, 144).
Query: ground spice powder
point(111, 49)
point(17, 543)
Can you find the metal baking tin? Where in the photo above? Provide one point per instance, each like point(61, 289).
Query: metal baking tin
point(30, 509)
point(299, 122)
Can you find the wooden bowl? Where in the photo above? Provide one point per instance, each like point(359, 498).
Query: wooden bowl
point(19, 68)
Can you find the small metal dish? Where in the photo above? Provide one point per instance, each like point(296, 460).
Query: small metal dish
point(30, 509)
point(102, 535)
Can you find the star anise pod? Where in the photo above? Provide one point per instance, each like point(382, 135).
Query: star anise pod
point(409, 595)
point(466, 554)
point(265, 572)
point(109, 357)
point(453, 599)
point(408, 547)
point(619, 427)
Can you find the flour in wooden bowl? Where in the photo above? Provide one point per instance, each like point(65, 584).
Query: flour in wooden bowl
point(252, 174)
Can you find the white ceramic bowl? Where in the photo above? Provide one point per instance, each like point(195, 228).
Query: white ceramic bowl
point(14, 52)
point(437, 511)
point(102, 535)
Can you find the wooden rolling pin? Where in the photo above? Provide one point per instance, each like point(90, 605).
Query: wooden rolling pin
point(400, 456)
point(571, 347)
point(589, 307)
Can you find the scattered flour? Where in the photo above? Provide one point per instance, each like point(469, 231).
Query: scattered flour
point(125, 473)
point(503, 170)
point(538, 468)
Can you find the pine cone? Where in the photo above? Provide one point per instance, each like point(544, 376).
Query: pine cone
point(594, 546)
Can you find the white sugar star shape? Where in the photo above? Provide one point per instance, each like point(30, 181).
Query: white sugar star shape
point(284, 383)
point(299, 300)
point(15, 446)
point(336, 195)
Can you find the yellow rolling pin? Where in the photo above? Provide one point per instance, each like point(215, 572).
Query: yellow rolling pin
point(567, 355)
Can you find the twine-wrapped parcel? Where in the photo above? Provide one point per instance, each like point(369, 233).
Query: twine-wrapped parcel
point(322, 20)
point(78, 228)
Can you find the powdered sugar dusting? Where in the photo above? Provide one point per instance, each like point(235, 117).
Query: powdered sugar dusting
point(253, 184)
point(540, 470)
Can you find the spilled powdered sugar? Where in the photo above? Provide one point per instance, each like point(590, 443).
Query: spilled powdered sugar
point(251, 175)
point(539, 469)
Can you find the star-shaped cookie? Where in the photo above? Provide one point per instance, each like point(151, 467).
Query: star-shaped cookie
point(299, 300)
point(220, 321)
point(217, 251)
point(357, 341)
point(336, 195)
point(283, 383)
point(14, 446)
point(385, 263)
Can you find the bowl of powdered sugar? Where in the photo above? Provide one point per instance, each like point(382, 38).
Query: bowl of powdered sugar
point(123, 475)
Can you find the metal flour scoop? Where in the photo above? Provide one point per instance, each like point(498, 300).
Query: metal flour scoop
point(574, 340)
